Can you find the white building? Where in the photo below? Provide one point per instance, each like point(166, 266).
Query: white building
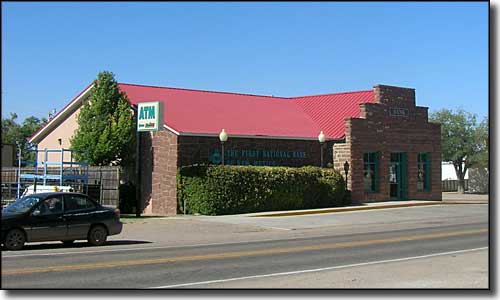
point(448, 171)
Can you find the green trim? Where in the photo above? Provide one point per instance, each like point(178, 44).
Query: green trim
point(372, 160)
point(427, 186)
point(376, 172)
point(399, 163)
point(404, 176)
point(424, 159)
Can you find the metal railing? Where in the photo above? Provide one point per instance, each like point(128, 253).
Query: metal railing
point(102, 185)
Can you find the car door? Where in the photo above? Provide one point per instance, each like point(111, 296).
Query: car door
point(47, 221)
point(79, 212)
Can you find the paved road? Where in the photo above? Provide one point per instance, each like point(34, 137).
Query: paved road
point(305, 246)
point(428, 271)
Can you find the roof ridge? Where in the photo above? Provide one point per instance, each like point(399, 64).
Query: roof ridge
point(206, 91)
point(363, 91)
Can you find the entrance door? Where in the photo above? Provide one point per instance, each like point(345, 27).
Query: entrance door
point(398, 176)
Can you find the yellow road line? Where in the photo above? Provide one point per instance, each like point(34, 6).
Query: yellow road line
point(237, 254)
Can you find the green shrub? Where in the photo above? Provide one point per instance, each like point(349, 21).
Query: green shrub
point(216, 190)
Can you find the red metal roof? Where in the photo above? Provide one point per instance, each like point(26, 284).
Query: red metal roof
point(207, 112)
point(329, 111)
point(190, 111)
point(204, 112)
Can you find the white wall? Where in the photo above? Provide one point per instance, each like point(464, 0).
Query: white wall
point(448, 172)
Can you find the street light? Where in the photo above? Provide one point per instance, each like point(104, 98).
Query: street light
point(321, 139)
point(346, 170)
point(223, 138)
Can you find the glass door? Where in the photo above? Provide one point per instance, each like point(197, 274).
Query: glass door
point(398, 176)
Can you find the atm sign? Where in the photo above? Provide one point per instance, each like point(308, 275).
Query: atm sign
point(149, 116)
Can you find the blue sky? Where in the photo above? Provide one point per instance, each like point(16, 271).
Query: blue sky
point(52, 51)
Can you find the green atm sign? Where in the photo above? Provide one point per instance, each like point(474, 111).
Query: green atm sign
point(149, 116)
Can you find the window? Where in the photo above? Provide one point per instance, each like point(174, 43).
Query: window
point(77, 203)
point(23, 205)
point(370, 171)
point(50, 206)
point(423, 172)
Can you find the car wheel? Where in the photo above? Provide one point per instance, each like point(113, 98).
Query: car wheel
point(97, 235)
point(68, 242)
point(14, 239)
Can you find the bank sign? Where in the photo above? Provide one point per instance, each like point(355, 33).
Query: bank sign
point(149, 116)
point(257, 157)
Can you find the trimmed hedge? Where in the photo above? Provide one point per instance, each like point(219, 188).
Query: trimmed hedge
point(218, 190)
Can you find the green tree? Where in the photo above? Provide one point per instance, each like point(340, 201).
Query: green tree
point(105, 134)
point(464, 141)
point(18, 134)
point(481, 155)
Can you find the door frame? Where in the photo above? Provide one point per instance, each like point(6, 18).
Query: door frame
point(47, 227)
point(400, 161)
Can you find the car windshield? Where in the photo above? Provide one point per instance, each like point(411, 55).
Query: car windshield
point(23, 204)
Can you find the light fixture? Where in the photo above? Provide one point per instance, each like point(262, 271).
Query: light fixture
point(346, 170)
point(223, 138)
point(321, 139)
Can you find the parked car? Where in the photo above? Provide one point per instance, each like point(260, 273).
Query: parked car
point(58, 216)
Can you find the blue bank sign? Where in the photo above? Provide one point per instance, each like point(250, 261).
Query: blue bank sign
point(149, 116)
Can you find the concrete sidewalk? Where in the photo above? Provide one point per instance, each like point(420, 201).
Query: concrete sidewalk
point(448, 198)
point(363, 206)
point(475, 198)
point(186, 230)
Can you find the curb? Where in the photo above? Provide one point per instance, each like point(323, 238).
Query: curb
point(348, 209)
point(321, 211)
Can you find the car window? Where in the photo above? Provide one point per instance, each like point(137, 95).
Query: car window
point(50, 206)
point(23, 204)
point(77, 203)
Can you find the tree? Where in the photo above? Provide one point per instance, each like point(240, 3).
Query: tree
point(16, 134)
point(464, 142)
point(480, 158)
point(105, 134)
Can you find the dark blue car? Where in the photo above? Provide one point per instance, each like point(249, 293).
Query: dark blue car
point(62, 217)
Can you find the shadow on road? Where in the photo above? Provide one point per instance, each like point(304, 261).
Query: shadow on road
point(82, 244)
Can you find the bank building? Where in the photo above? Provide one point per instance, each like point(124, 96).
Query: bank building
point(384, 140)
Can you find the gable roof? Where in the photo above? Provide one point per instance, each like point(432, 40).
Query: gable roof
point(200, 112)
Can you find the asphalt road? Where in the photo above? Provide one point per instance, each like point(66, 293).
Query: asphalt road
point(198, 266)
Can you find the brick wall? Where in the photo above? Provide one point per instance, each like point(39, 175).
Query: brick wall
point(406, 130)
point(163, 152)
point(158, 173)
point(258, 151)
